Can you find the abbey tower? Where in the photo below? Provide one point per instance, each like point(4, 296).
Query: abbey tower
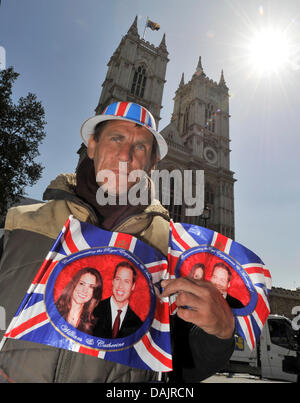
point(198, 133)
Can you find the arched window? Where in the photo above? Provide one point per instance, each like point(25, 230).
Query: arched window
point(186, 119)
point(210, 115)
point(139, 82)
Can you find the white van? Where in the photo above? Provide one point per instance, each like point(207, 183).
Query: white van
point(276, 356)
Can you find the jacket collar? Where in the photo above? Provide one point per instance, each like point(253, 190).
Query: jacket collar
point(64, 188)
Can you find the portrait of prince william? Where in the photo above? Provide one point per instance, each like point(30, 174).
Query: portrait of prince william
point(114, 317)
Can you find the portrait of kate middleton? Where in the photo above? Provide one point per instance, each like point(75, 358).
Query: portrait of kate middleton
point(80, 297)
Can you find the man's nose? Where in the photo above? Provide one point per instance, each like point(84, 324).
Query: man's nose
point(125, 153)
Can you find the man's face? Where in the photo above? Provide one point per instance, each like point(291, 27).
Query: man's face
point(124, 142)
point(220, 279)
point(122, 286)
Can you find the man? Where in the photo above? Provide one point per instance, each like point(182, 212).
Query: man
point(124, 133)
point(115, 318)
point(220, 278)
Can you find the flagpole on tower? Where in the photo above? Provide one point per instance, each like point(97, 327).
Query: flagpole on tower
point(145, 28)
point(152, 25)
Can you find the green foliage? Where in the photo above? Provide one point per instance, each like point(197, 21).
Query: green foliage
point(21, 133)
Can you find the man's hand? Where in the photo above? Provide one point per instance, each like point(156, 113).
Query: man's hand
point(207, 308)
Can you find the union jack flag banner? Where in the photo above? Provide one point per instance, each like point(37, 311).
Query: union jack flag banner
point(238, 273)
point(83, 270)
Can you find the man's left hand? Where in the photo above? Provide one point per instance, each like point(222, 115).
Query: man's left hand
point(201, 303)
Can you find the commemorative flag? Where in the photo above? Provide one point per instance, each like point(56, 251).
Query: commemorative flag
point(238, 273)
point(69, 303)
point(85, 267)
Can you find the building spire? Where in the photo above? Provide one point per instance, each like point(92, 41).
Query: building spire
point(199, 68)
point(163, 45)
point(182, 80)
point(222, 82)
point(134, 29)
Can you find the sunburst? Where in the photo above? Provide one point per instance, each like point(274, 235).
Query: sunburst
point(269, 50)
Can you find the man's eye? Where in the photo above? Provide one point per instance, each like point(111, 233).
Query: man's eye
point(140, 147)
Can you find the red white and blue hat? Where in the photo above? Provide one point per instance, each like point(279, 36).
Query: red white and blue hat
point(128, 111)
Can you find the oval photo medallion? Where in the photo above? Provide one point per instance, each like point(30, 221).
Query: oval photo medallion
point(101, 298)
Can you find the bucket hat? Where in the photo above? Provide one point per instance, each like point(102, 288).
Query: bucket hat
point(130, 112)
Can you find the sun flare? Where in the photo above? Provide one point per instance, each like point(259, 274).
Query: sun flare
point(269, 50)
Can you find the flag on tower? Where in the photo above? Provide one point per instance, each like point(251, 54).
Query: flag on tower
point(153, 25)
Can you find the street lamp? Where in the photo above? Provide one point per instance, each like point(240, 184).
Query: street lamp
point(205, 215)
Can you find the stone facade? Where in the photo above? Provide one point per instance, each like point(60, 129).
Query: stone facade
point(282, 301)
point(198, 139)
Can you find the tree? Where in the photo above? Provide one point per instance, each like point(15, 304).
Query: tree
point(21, 133)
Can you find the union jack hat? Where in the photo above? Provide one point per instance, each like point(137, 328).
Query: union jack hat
point(130, 112)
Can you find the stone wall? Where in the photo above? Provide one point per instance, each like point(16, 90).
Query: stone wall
point(282, 301)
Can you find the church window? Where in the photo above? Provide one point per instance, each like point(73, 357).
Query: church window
point(139, 82)
point(210, 115)
point(186, 119)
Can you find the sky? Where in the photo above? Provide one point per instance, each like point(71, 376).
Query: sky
point(61, 49)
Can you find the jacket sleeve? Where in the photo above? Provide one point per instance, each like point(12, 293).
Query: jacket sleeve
point(196, 354)
point(3, 241)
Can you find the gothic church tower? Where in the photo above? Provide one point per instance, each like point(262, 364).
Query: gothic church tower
point(136, 73)
point(198, 139)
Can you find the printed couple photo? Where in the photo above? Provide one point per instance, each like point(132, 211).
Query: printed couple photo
point(104, 296)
